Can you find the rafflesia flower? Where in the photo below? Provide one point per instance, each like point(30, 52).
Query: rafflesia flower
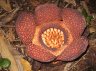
point(52, 33)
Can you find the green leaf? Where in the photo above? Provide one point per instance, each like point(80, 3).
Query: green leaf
point(89, 18)
point(84, 13)
point(4, 63)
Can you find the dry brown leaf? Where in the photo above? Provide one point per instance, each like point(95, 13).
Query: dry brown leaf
point(26, 65)
point(9, 17)
point(5, 4)
point(92, 30)
point(35, 2)
point(71, 2)
point(5, 52)
point(10, 35)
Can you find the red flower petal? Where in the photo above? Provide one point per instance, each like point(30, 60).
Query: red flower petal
point(25, 27)
point(74, 50)
point(46, 13)
point(74, 21)
point(39, 53)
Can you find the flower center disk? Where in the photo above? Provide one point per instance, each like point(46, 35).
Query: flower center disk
point(53, 38)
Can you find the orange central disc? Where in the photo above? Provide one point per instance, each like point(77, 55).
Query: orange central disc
point(53, 38)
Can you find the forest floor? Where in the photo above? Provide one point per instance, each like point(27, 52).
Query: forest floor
point(14, 48)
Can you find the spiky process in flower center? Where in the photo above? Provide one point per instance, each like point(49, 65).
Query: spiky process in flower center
point(53, 38)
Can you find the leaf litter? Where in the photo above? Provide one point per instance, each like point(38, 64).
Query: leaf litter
point(15, 49)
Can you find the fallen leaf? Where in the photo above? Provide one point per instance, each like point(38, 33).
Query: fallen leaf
point(10, 35)
point(9, 17)
point(5, 52)
point(5, 4)
point(71, 2)
point(35, 2)
point(92, 30)
point(26, 65)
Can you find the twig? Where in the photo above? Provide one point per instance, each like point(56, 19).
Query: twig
point(9, 17)
point(9, 26)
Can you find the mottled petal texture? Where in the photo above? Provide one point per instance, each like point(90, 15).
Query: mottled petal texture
point(74, 50)
point(39, 53)
point(46, 13)
point(74, 21)
point(25, 27)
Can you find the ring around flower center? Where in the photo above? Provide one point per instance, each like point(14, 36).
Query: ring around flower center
point(53, 38)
